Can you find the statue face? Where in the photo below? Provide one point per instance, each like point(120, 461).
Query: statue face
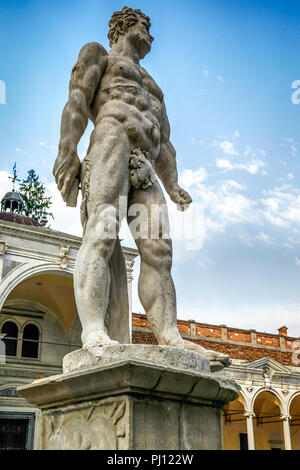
point(139, 35)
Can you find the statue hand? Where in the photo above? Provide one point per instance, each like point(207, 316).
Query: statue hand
point(65, 170)
point(180, 197)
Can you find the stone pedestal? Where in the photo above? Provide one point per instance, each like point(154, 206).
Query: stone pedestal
point(132, 397)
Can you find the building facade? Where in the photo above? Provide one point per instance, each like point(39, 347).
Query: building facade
point(266, 415)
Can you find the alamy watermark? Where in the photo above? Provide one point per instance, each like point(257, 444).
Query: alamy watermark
point(2, 92)
point(151, 222)
point(296, 95)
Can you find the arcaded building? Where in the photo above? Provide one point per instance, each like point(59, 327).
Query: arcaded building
point(39, 325)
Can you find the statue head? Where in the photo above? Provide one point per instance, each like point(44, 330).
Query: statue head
point(135, 25)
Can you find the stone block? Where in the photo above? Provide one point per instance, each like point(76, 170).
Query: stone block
point(132, 402)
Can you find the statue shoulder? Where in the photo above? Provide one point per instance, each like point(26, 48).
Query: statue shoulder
point(90, 65)
point(92, 52)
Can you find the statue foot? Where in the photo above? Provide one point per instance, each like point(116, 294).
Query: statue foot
point(97, 339)
point(217, 360)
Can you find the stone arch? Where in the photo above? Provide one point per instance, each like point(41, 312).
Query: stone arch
point(268, 408)
point(234, 423)
point(294, 420)
point(24, 272)
point(51, 274)
point(2, 322)
point(271, 391)
point(292, 397)
point(9, 389)
point(244, 399)
point(12, 343)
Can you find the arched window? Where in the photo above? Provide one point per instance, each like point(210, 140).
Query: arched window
point(10, 329)
point(30, 343)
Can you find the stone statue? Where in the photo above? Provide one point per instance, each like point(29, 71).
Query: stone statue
point(129, 146)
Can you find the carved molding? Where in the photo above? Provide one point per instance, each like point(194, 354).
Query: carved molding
point(3, 247)
point(129, 262)
point(63, 255)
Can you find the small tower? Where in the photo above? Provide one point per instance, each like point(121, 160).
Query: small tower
point(12, 202)
point(12, 206)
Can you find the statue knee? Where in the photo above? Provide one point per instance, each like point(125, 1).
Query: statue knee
point(102, 230)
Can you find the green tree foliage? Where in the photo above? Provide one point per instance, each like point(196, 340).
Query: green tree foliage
point(36, 203)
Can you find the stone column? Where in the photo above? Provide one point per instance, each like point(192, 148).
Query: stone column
point(253, 336)
point(129, 262)
point(282, 342)
point(286, 432)
point(192, 328)
point(3, 249)
point(250, 430)
point(224, 333)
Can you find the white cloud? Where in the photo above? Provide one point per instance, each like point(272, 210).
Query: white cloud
point(190, 178)
point(227, 147)
point(292, 144)
point(293, 150)
point(236, 134)
point(5, 183)
point(235, 208)
point(224, 164)
point(281, 206)
point(253, 152)
point(18, 149)
point(223, 204)
point(231, 184)
point(265, 238)
point(43, 144)
point(205, 72)
point(253, 167)
point(221, 79)
point(66, 219)
point(297, 262)
point(265, 317)
point(194, 141)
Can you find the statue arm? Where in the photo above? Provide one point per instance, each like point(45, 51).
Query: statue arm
point(85, 79)
point(166, 168)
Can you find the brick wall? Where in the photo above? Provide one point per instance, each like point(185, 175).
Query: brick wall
point(239, 344)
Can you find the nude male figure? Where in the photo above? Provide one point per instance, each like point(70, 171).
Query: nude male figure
point(128, 111)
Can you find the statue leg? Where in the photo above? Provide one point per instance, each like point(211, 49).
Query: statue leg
point(109, 180)
point(156, 287)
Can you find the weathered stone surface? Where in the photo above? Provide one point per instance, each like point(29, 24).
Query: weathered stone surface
point(129, 146)
point(132, 403)
point(110, 354)
point(87, 426)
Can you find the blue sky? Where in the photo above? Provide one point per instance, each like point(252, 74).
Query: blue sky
point(226, 69)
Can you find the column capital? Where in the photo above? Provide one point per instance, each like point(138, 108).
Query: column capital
point(285, 417)
point(249, 414)
point(129, 262)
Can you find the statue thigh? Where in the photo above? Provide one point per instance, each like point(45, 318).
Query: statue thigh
point(153, 239)
point(108, 171)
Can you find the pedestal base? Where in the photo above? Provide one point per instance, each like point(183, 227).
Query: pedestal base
point(132, 403)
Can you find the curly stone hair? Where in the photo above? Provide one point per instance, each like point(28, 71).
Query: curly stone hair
point(121, 21)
